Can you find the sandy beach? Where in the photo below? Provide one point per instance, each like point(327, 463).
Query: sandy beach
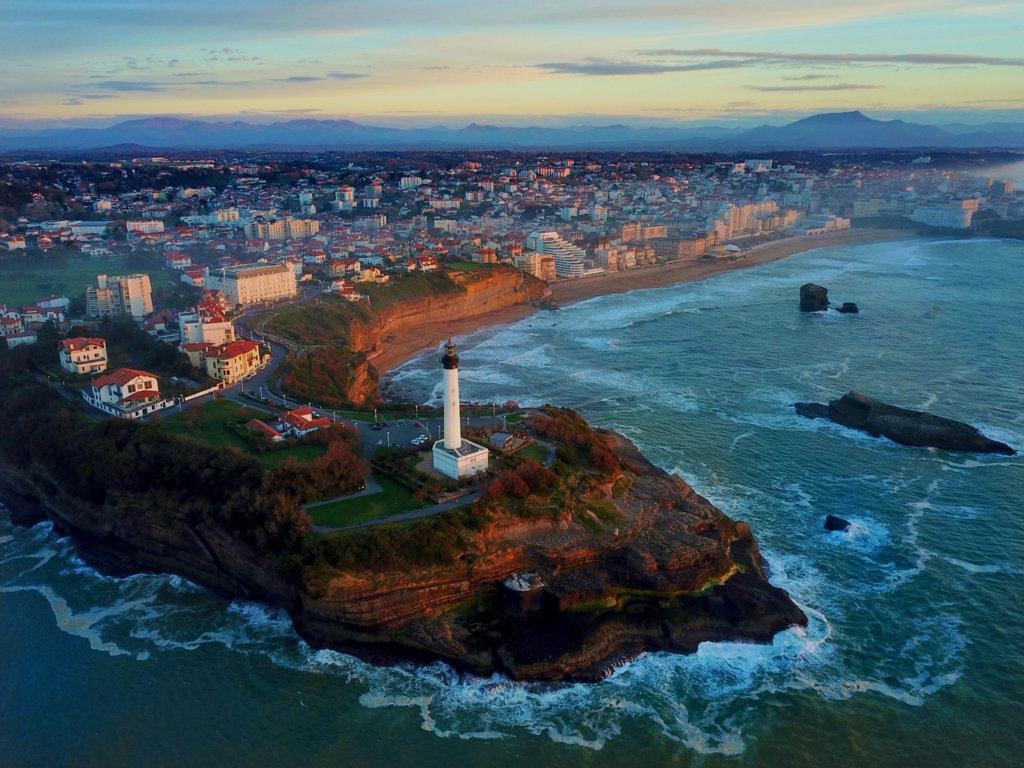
point(407, 345)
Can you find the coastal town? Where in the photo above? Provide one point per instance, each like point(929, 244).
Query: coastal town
point(204, 278)
point(230, 232)
point(189, 249)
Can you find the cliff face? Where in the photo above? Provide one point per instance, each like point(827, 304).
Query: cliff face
point(543, 600)
point(479, 294)
point(346, 369)
point(484, 292)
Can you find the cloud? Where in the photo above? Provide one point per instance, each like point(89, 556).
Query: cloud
point(813, 77)
point(128, 86)
point(702, 59)
point(297, 79)
point(777, 57)
point(442, 66)
point(606, 67)
point(72, 101)
point(835, 87)
point(345, 75)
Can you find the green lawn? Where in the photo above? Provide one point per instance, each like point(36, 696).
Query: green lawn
point(23, 282)
point(211, 426)
point(392, 500)
point(533, 451)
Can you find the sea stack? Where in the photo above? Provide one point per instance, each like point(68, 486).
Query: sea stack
point(813, 298)
point(453, 456)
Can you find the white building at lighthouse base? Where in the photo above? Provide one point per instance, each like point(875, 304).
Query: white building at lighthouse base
point(466, 460)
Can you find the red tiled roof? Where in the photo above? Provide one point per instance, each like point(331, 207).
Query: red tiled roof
point(82, 342)
point(303, 419)
point(233, 349)
point(120, 377)
point(261, 426)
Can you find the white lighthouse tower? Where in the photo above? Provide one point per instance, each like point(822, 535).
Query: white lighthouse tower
point(452, 433)
point(454, 456)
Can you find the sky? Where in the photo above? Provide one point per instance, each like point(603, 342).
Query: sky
point(540, 62)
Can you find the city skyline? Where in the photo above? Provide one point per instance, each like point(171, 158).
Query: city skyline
point(405, 64)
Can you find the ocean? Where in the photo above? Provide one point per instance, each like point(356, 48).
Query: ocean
point(912, 656)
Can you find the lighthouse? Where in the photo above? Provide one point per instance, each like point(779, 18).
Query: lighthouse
point(450, 363)
point(453, 456)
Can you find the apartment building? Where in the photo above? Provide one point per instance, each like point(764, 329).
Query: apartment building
point(253, 283)
point(119, 296)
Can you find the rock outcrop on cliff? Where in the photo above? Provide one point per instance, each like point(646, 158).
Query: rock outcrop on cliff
point(901, 425)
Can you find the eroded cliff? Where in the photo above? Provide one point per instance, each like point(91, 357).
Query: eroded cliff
point(343, 345)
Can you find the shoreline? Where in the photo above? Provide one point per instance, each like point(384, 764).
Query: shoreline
point(407, 345)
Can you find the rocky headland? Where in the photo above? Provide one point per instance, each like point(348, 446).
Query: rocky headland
point(902, 425)
point(551, 600)
point(546, 598)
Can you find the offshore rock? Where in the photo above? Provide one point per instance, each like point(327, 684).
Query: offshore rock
point(833, 523)
point(901, 425)
point(813, 298)
point(849, 308)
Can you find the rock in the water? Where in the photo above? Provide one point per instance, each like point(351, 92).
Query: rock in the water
point(833, 523)
point(813, 298)
point(902, 425)
point(849, 308)
point(812, 410)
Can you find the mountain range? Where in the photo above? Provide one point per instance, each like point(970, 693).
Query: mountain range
point(833, 131)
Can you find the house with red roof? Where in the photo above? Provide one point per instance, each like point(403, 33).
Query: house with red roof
point(126, 393)
point(233, 362)
point(301, 421)
point(11, 325)
point(264, 430)
point(177, 260)
point(195, 277)
point(83, 355)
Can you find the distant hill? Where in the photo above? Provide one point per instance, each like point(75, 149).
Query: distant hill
point(835, 131)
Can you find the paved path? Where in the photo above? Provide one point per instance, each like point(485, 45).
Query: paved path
point(372, 487)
